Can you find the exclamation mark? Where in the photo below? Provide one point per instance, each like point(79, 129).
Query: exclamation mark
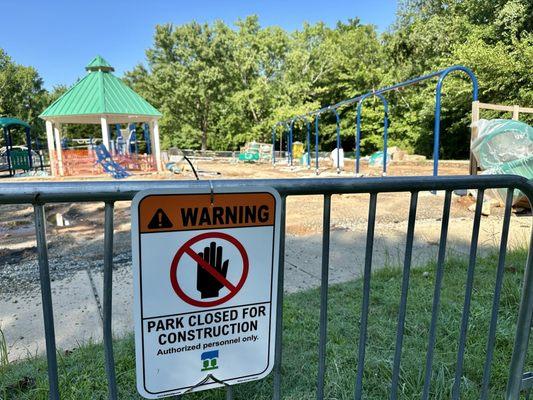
point(160, 218)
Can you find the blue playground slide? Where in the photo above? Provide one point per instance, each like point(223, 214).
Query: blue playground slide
point(114, 169)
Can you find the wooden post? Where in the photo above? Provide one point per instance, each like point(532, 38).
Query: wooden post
point(473, 136)
point(57, 135)
point(51, 148)
point(516, 112)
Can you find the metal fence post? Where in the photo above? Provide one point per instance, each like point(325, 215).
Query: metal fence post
point(108, 301)
point(46, 294)
point(523, 330)
point(279, 312)
point(324, 280)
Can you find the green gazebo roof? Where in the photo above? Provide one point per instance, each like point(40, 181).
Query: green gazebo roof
point(100, 93)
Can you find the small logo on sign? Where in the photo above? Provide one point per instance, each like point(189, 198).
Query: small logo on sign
point(209, 360)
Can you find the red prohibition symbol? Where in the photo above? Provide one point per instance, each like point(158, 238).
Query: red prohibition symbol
point(186, 249)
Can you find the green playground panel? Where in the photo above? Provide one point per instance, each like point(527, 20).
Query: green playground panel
point(19, 159)
point(249, 157)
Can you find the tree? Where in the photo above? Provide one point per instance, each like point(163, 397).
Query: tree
point(220, 86)
point(189, 77)
point(21, 92)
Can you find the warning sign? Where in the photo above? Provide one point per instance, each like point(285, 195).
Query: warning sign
point(205, 281)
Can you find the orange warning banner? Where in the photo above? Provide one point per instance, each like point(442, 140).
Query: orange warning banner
point(180, 212)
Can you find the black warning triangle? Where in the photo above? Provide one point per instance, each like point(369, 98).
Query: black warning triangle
point(160, 220)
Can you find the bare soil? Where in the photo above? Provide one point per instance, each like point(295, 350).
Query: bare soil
point(78, 245)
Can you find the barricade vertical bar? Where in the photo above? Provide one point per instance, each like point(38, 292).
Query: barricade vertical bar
point(46, 294)
point(523, 329)
point(229, 392)
point(436, 295)
point(324, 282)
point(497, 291)
point(468, 297)
point(279, 312)
point(403, 299)
point(108, 301)
point(366, 295)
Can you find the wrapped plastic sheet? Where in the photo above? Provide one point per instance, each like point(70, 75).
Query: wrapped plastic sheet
point(376, 159)
point(504, 147)
point(501, 141)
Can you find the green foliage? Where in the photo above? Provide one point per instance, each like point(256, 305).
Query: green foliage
point(493, 38)
point(21, 92)
point(219, 86)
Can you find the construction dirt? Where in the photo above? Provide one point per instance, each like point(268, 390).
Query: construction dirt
point(75, 238)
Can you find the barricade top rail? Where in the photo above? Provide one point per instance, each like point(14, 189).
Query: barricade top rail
point(109, 191)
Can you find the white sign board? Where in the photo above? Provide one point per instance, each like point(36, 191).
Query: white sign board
point(205, 270)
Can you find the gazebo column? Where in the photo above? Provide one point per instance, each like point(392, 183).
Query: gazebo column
point(57, 136)
point(156, 148)
point(105, 132)
point(51, 149)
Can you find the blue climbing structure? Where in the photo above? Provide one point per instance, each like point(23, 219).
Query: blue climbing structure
point(103, 157)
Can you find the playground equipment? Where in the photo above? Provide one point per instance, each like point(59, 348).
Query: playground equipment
point(133, 146)
point(18, 157)
point(442, 74)
point(358, 134)
point(308, 139)
point(274, 129)
point(100, 98)
point(338, 130)
point(111, 167)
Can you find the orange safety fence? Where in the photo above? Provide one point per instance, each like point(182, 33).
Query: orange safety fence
point(83, 162)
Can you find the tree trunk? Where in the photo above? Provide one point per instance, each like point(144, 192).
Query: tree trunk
point(204, 139)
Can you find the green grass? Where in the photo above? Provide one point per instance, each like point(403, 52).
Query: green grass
point(3, 349)
point(82, 373)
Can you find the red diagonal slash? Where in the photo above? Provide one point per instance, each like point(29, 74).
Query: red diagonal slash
point(209, 268)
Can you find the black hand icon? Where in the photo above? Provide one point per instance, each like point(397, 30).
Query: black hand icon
point(206, 283)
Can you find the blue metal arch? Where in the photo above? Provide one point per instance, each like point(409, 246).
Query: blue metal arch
point(358, 132)
point(338, 129)
point(280, 123)
point(308, 141)
point(438, 94)
point(440, 74)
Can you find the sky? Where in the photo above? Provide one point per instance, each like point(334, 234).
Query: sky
point(60, 37)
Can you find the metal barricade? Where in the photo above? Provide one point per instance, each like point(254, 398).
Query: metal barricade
point(41, 193)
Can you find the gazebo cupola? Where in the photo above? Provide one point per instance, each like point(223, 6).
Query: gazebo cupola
point(99, 98)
